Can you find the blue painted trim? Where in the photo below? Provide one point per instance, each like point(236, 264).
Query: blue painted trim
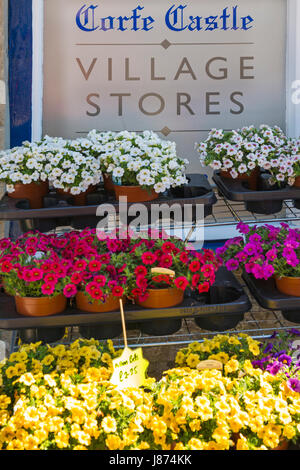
point(20, 70)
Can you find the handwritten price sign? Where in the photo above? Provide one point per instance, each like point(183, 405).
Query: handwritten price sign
point(129, 369)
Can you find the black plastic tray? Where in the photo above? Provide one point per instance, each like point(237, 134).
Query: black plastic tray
point(265, 200)
point(192, 307)
point(197, 191)
point(236, 190)
point(266, 294)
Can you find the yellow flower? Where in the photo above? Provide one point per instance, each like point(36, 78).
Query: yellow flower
point(193, 360)
point(180, 358)
point(113, 442)
point(11, 372)
point(195, 444)
point(109, 425)
point(231, 366)
point(195, 425)
point(242, 443)
point(48, 359)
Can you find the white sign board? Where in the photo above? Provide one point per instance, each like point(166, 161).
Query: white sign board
point(176, 68)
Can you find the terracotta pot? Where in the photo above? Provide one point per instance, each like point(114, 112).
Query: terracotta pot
point(288, 285)
point(162, 298)
point(297, 182)
point(40, 306)
point(33, 192)
point(79, 199)
point(110, 305)
point(134, 193)
point(108, 184)
point(250, 179)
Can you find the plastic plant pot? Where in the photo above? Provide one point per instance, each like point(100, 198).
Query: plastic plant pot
point(161, 327)
point(101, 332)
point(45, 335)
point(220, 322)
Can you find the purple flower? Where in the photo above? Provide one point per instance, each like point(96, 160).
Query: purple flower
point(243, 228)
point(232, 264)
point(251, 249)
point(274, 368)
point(271, 254)
point(285, 359)
point(268, 348)
point(255, 238)
point(294, 331)
point(294, 384)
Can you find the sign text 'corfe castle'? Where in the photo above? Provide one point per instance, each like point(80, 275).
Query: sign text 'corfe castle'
point(177, 18)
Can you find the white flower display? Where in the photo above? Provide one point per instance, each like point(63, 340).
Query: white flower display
point(23, 165)
point(241, 151)
point(133, 159)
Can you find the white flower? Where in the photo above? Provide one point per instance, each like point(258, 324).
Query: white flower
point(118, 172)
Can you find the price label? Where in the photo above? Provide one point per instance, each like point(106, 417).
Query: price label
point(129, 370)
point(210, 364)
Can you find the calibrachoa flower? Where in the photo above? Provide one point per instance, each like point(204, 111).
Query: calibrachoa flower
point(265, 251)
point(139, 159)
point(241, 151)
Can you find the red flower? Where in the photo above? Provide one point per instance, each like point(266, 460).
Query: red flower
point(168, 247)
point(47, 288)
point(96, 293)
point(204, 287)
point(117, 291)
point(94, 265)
point(195, 280)
point(100, 279)
point(140, 270)
point(6, 267)
point(208, 270)
point(166, 261)
point(162, 278)
point(141, 282)
point(184, 257)
point(148, 257)
point(181, 282)
point(70, 290)
point(194, 266)
point(76, 278)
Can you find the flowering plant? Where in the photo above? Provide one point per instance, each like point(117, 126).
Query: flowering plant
point(208, 410)
point(264, 251)
point(139, 160)
point(281, 353)
point(24, 164)
point(241, 151)
point(99, 277)
point(193, 270)
point(223, 348)
point(70, 165)
point(42, 275)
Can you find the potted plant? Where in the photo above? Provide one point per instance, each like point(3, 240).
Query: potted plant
point(39, 283)
point(165, 269)
point(266, 252)
point(71, 169)
point(99, 285)
point(140, 166)
point(241, 153)
point(22, 169)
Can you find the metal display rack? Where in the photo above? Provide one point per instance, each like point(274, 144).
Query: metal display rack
point(258, 322)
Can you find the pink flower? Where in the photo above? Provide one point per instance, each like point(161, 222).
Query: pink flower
point(117, 291)
point(48, 288)
point(70, 290)
point(36, 274)
point(181, 282)
point(148, 257)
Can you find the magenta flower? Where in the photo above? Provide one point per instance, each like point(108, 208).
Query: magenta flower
point(232, 264)
point(70, 290)
point(243, 228)
point(294, 384)
point(48, 288)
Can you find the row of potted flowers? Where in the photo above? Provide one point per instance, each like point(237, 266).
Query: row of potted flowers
point(60, 397)
point(266, 252)
point(241, 153)
point(140, 166)
point(43, 271)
